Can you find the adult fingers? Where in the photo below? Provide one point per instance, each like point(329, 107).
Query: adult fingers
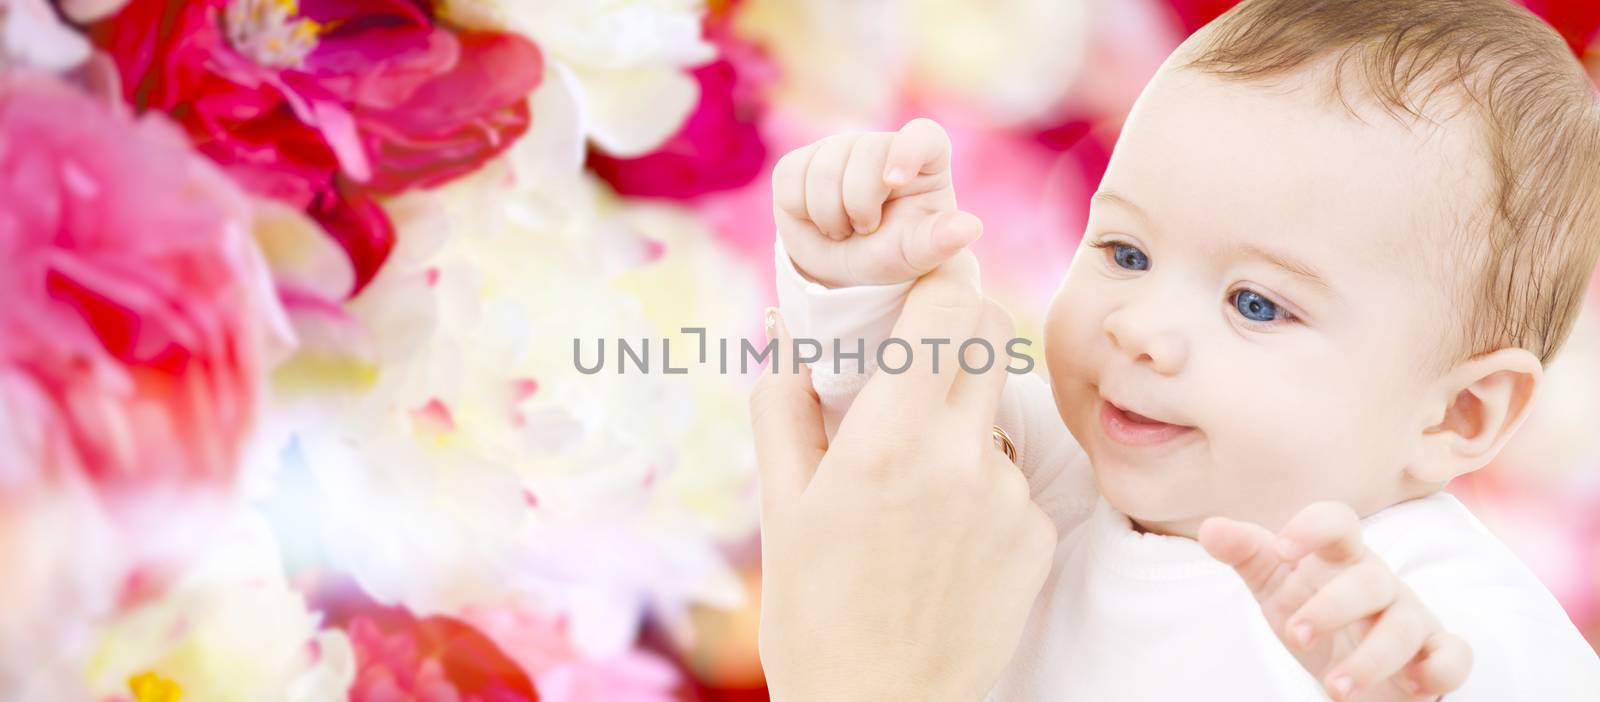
point(1329, 529)
point(942, 306)
point(919, 147)
point(786, 418)
point(1032, 534)
point(981, 372)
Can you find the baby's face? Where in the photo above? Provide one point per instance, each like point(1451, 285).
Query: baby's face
point(1297, 382)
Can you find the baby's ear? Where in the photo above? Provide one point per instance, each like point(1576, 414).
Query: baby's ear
point(1488, 397)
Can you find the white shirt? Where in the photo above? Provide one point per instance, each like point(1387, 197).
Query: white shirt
point(1126, 615)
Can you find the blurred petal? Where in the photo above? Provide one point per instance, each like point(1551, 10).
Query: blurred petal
point(85, 11)
point(615, 100)
point(718, 148)
point(31, 34)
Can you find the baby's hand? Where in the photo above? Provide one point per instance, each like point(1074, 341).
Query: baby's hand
point(1340, 610)
point(871, 209)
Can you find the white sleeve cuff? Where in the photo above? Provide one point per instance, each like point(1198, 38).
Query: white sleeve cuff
point(858, 317)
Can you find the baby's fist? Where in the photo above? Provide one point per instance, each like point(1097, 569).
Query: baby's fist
point(1338, 607)
point(871, 209)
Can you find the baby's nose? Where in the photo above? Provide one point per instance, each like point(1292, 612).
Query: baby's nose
point(1148, 335)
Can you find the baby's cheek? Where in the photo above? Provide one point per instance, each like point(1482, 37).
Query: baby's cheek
point(1328, 458)
point(1064, 342)
point(1275, 452)
point(1074, 324)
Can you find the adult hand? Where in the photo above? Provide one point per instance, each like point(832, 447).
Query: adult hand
point(900, 562)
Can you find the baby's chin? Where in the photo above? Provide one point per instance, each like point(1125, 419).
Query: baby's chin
point(1165, 490)
point(1156, 496)
point(1161, 485)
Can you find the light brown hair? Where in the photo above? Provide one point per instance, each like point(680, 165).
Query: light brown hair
point(1538, 238)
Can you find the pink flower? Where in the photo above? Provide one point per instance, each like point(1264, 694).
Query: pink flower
point(543, 645)
point(135, 304)
point(328, 104)
point(400, 658)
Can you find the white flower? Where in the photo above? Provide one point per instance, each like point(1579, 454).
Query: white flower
point(628, 60)
point(62, 568)
point(31, 34)
point(76, 555)
point(231, 628)
point(468, 463)
point(1010, 61)
point(848, 63)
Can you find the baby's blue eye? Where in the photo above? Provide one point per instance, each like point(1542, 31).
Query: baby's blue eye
point(1130, 258)
point(1254, 307)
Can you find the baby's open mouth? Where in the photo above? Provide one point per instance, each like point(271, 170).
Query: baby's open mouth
point(1133, 417)
point(1139, 418)
point(1129, 427)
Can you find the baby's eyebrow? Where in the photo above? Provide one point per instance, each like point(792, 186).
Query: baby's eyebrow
point(1120, 201)
point(1287, 263)
point(1244, 250)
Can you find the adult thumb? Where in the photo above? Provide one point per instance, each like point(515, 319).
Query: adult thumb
point(786, 417)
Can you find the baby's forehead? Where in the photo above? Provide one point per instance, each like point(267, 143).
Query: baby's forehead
point(1382, 211)
point(1281, 162)
point(1469, 131)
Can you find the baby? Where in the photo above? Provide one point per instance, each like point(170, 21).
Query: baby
point(1334, 247)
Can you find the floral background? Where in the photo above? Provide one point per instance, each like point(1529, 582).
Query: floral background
point(288, 407)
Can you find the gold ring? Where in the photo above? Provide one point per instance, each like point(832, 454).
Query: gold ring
point(1003, 440)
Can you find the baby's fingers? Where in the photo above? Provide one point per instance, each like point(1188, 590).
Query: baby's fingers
point(1394, 640)
point(906, 250)
point(789, 181)
point(864, 189)
point(1329, 529)
point(1441, 667)
point(1358, 592)
point(1248, 548)
point(824, 183)
point(921, 146)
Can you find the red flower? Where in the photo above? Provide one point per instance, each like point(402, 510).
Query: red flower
point(1578, 21)
point(330, 103)
point(1194, 14)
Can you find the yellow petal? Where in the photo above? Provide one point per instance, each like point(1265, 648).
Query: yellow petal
point(150, 687)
